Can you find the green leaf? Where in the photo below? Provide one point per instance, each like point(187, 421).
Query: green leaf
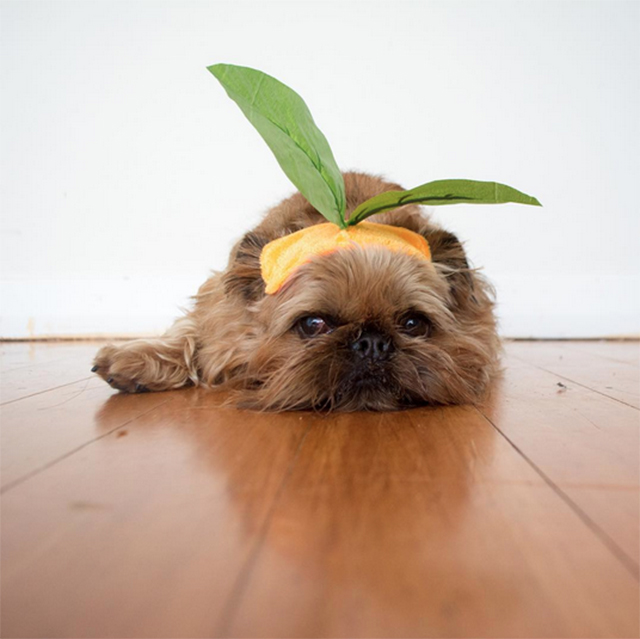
point(442, 192)
point(284, 121)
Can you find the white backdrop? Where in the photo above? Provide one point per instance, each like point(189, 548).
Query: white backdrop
point(127, 173)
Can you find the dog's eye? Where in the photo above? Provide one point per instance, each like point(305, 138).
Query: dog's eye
point(313, 325)
point(415, 325)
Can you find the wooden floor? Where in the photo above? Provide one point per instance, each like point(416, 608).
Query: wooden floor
point(167, 515)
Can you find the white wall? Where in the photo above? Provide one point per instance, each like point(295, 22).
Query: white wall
point(126, 172)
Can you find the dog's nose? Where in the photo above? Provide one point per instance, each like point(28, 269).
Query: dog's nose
point(372, 345)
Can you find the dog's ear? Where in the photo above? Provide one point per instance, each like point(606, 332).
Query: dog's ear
point(447, 250)
point(243, 276)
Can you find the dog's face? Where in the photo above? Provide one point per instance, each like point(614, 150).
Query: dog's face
point(369, 329)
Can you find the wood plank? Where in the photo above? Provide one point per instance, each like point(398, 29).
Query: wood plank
point(615, 511)
point(43, 367)
point(145, 531)
point(583, 364)
point(40, 429)
point(427, 524)
point(626, 352)
point(587, 444)
point(580, 436)
point(16, 355)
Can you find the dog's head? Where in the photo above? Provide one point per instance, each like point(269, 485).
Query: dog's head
point(366, 328)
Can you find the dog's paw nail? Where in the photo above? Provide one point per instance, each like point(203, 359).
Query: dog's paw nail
point(94, 368)
point(141, 389)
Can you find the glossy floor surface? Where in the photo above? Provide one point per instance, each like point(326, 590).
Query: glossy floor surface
point(169, 515)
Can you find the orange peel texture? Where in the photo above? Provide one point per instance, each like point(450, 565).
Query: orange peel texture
point(281, 257)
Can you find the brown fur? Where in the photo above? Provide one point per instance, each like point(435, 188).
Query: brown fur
point(237, 338)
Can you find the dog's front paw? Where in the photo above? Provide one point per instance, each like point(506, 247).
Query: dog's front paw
point(122, 368)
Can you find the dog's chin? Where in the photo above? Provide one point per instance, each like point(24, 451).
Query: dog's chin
point(365, 397)
point(369, 389)
point(357, 388)
point(365, 388)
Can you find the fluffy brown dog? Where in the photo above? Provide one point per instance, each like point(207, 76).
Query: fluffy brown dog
point(357, 329)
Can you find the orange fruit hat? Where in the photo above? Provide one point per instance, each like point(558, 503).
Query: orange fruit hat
point(281, 257)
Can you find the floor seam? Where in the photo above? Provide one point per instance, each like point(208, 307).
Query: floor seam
point(630, 565)
point(37, 471)
point(235, 597)
point(61, 359)
point(19, 399)
point(573, 381)
point(600, 356)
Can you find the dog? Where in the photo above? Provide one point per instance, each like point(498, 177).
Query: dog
point(360, 329)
